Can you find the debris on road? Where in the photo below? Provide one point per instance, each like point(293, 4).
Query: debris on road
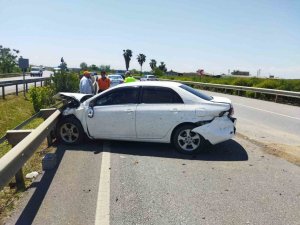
point(31, 175)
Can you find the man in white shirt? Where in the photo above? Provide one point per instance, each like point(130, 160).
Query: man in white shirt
point(86, 85)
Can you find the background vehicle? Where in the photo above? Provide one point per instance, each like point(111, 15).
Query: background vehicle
point(115, 79)
point(156, 111)
point(36, 71)
point(148, 78)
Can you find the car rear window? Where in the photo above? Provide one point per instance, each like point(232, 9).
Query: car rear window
point(196, 92)
point(160, 95)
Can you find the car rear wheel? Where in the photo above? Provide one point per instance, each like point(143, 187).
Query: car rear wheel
point(186, 141)
point(70, 131)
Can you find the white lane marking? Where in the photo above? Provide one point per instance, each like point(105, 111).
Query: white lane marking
point(103, 201)
point(267, 111)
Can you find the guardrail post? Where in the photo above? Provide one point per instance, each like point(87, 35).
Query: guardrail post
point(20, 182)
point(3, 92)
point(26, 87)
point(41, 83)
point(17, 90)
point(276, 98)
point(34, 84)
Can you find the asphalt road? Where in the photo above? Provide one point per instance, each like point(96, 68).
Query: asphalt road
point(265, 121)
point(144, 183)
point(235, 183)
point(12, 89)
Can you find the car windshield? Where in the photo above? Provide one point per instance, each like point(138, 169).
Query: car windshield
point(35, 69)
point(196, 92)
point(114, 77)
point(151, 76)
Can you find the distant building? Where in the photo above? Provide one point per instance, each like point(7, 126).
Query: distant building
point(172, 73)
point(240, 73)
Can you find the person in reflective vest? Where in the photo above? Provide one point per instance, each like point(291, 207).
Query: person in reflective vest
point(129, 78)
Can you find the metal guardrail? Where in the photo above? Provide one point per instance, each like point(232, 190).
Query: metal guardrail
point(275, 92)
point(5, 75)
point(26, 142)
point(4, 84)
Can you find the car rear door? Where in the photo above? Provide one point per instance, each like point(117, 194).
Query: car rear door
point(159, 110)
point(114, 114)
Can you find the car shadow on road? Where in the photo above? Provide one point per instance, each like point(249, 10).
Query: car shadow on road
point(226, 151)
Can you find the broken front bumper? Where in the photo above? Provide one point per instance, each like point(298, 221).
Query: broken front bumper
point(218, 130)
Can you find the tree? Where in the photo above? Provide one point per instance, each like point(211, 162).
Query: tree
point(83, 66)
point(141, 58)
point(127, 56)
point(157, 72)
point(105, 68)
point(93, 67)
point(152, 64)
point(63, 65)
point(162, 67)
point(8, 59)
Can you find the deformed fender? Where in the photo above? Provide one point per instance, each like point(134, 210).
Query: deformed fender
point(218, 130)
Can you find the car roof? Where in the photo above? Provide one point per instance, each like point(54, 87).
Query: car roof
point(151, 83)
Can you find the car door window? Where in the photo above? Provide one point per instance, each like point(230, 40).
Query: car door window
point(120, 96)
point(160, 95)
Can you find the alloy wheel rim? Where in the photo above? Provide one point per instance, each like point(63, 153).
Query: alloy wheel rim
point(69, 132)
point(188, 140)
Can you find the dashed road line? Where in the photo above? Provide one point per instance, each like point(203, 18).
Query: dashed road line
point(103, 201)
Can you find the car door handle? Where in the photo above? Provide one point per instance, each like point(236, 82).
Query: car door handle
point(129, 110)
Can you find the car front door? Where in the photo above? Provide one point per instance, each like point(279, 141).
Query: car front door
point(114, 114)
point(159, 111)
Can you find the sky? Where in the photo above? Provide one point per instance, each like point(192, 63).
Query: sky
point(214, 35)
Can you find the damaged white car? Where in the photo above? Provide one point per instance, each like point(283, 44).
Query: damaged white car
point(157, 111)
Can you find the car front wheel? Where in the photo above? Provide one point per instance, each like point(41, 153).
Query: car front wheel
point(70, 131)
point(186, 141)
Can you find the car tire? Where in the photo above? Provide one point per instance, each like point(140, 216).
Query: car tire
point(69, 131)
point(186, 141)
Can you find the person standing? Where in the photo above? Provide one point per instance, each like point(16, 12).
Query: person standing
point(86, 85)
point(103, 82)
point(129, 78)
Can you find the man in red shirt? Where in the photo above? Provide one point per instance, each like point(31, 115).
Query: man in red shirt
point(103, 82)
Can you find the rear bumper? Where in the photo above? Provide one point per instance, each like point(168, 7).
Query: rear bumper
point(218, 130)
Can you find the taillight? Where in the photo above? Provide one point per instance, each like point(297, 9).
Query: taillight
point(231, 111)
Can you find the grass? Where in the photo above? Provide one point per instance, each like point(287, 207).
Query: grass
point(280, 84)
point(13, 111)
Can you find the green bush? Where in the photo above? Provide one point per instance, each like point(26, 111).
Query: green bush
point(41, 97)
point(65, 82)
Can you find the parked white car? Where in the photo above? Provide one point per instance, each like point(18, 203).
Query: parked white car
point(154, 111)
point(36, 71)
point(148, 78)
point(115, 79)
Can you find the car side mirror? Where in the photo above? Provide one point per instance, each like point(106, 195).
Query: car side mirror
point(92, 104)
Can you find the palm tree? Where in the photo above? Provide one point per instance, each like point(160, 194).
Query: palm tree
point(127, 56)
point(141, 58)
point(162, 67)
point(153, 64)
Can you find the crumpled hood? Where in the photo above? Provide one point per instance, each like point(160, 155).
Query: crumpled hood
point(220, 99)
point(76, 96)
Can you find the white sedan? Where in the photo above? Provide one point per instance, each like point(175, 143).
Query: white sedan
point(148, 78)
point(115, 79)
point(150, 111)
